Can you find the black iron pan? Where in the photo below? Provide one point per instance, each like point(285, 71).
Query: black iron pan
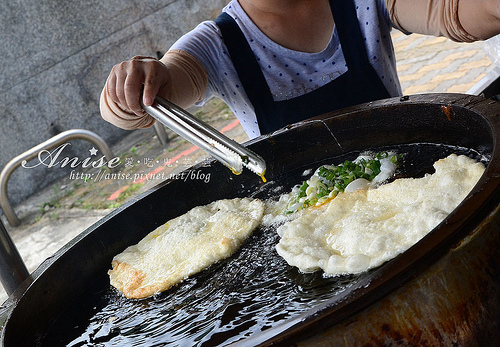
point(255, 298)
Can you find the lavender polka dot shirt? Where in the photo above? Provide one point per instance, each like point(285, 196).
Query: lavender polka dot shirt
point(288, 73)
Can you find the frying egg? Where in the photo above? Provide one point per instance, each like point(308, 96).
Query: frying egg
point(362, 229)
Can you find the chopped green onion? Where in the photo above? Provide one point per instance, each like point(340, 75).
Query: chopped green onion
point(334, 179)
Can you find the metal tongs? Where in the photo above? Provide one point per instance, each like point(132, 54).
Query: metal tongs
point(199, 133)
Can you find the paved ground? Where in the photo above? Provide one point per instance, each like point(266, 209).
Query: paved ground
point(437, 65)
point(57, 214)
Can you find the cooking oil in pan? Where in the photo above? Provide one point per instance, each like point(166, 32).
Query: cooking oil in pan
point(231, 300)
point(250, 292)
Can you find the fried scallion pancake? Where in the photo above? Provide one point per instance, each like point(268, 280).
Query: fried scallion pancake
point(185, 246)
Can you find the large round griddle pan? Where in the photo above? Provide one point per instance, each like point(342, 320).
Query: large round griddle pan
point(43, 305)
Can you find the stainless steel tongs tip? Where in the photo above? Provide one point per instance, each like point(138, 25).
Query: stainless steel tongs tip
point(227, 151)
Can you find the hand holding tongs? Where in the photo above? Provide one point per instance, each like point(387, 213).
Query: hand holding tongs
point(199, 133)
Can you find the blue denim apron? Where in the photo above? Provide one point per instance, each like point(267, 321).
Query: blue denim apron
point(359, 84)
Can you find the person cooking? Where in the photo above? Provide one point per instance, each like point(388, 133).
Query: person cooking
point(276, 62)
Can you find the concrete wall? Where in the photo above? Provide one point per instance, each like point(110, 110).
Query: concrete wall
point(54, 59)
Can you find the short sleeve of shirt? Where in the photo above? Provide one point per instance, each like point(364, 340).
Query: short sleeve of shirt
point(205, 44)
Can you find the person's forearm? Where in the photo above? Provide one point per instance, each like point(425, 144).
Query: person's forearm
point(480, 18)
point(187, 83)
point(189, 78)
point(459, 20)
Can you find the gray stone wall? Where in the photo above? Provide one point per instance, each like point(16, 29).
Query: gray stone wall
point(55, 57)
